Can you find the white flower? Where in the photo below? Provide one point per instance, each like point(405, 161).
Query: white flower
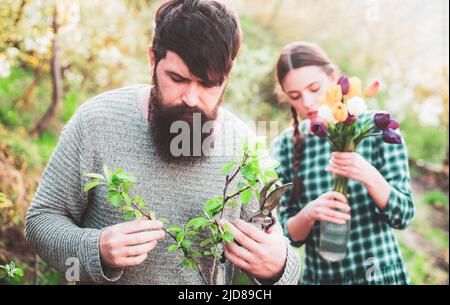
point(356, 105)
point(325, 113)
point(5, 69)
point(12, 52)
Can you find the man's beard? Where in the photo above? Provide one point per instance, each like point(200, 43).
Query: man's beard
point(161, 118)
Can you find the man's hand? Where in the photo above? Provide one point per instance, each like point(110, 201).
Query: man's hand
point(261, 254)
point(127, 244)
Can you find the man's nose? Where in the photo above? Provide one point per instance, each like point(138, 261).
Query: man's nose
point(190, 97)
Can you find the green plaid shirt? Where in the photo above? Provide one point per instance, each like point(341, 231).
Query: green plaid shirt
point(372, 245)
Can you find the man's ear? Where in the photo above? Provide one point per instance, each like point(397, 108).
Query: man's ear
point(151, 57)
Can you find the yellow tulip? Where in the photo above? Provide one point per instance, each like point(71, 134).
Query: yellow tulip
point(323, 101)
point(334, 95)
point(355, 87)
point(372, 89)
point(340, 112)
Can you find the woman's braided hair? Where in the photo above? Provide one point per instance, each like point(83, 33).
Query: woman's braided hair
point(293, 56)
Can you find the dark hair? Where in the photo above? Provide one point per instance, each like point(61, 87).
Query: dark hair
point(204, 33)
point(293, 56)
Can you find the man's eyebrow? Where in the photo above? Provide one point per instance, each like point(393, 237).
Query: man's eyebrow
point(175, 74)
point(203, 82)
point(211, 83)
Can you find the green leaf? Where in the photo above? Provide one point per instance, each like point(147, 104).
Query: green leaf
point(115, 199)
point(126, 176)
point(228, 167)
point(191, 234)
point(246, 196)
point(241, 185)
point(232, 203)
point(207, 253)
point(213, 207)
point(186, 243)
point(188, 263)
point(172, 248)
point(174, 229)
point(126, 208)
point(107, 172)
point(197, 223)
point(163, 219)
point(259, 145)
point(138, 199)
point(226, 228)
point(92, 184)
point(217, 255)
point(137, 214)
point(18, 272)
point(228, 237)
point(271, 174)
point(126, 198)
point(195, 253)
point(249, 172)
point(206, 242)
point(94, 175)
point(129, 215)
point(180, 237)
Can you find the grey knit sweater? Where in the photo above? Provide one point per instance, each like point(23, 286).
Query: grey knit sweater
point(65, 222)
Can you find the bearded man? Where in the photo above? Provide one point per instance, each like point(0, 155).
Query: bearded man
point(171, 136)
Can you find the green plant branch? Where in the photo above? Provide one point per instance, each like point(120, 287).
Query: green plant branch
point(185, 253)
point(120, 181)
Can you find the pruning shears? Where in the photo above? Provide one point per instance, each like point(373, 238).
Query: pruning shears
point(264, 218)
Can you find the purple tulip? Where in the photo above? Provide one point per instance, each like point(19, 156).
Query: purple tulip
point(382, 120)
point(319, 129)
point(394, 124)
point(350, 120)
point(391, 137)
point(344, 83)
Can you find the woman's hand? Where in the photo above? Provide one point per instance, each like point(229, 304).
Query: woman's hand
point(324, 208)
point(352, 166)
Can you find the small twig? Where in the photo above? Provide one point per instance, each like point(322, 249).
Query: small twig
point(236, 194)
point(36, 269)
point(175, 239)
point(228, 181)
point(213, 270)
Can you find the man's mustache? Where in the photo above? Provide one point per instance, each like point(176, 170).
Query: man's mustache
point(182, 110)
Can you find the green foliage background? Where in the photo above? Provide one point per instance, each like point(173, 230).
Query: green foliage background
point(403, 43)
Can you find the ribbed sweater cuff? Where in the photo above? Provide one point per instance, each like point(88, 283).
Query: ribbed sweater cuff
point(292, 270)
point(89, 254)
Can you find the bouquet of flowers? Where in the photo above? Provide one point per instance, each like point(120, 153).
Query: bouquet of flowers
point(338, 120)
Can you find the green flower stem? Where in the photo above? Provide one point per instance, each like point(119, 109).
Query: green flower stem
point(340, 184)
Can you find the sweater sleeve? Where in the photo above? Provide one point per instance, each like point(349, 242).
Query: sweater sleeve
point(394, 168)
point(54, 218)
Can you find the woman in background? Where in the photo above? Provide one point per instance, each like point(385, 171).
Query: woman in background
point(379, 182)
